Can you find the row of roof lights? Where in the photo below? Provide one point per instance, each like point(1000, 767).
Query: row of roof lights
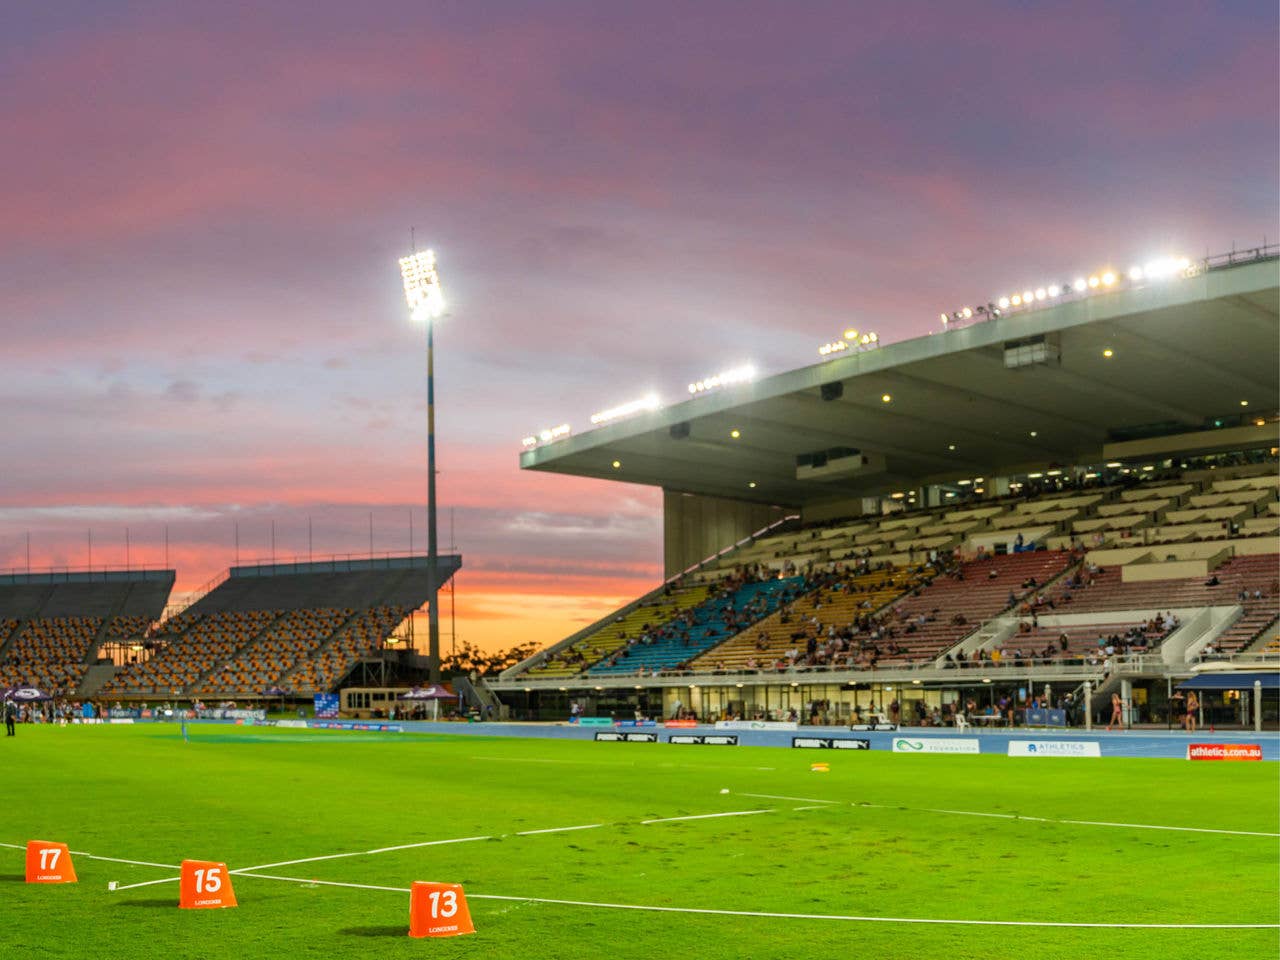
point(1162, 268)
point(851, 340)
point(724, 378)
point(650, 401)
point(546, 436)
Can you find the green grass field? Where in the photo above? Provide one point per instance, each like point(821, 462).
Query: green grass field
point(879, 847)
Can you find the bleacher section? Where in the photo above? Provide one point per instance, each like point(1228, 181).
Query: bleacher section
point(824, 606)
point(51, 625)
point(699, 628)
point(300, 627)
point(573, 658)
point(1228, 526)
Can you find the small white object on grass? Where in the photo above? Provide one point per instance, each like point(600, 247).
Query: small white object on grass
point(111, 884)
point(725, 790)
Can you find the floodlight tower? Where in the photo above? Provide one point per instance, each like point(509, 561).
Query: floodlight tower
point(426, 305)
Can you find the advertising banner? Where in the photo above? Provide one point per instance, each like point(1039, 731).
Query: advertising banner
point(356, 725)
point(757, 725)
point(723, 740)
point(619, 737)
point(1055, 748)
point(1224, 751)
point(829, 743)
point(935, 745)
point(326, 706)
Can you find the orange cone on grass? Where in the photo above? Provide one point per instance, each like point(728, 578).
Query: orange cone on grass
point(49, 862)
point(438, 910)
point(205, 885)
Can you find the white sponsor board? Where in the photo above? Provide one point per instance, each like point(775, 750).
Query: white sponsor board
point(935, 745)
point(756, 725)
point(1055, 748)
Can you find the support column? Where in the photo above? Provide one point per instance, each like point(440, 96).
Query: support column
point(1257, 706)
point(1088, 705)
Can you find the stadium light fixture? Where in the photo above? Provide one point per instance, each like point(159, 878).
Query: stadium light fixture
point(425, 298)
point(422, 291)
point(835, 346)
point(649, 401)
point(1108, 353)
point(735, 434)
point(886, 397)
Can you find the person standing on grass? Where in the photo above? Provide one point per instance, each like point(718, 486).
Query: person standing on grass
point(10, 715)
point(1193, 707)
point(1117, 712)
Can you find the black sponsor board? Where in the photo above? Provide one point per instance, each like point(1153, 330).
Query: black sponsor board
point(829, 743)
point(722, 740)
point(613, 737)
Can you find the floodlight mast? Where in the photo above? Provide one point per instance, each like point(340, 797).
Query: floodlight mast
point(425, 298)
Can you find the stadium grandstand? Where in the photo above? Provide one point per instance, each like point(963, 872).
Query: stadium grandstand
point(1060, 495)
point(271, 630)
point(54, 625)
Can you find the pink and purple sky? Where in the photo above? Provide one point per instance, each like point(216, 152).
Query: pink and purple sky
point(203, 205)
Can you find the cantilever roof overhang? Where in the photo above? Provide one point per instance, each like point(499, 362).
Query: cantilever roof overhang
point(1183, 353)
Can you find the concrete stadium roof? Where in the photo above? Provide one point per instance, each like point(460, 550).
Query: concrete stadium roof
point(1185, 352)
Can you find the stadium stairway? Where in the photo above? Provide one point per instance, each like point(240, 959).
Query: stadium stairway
point(14, 628)
point(95, 678)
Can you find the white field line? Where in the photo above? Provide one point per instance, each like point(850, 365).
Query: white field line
point(1020, 816)
point(609, 763)
point(707, 816)
point(1084, 823)
point(849, 918)
point(585, 826)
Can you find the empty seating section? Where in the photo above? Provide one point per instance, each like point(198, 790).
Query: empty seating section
point(362, 636)
point(801, 630)
point(700, 627)
point(262, 662)
point(51, 624)
point(573, 659)
point(177, 664)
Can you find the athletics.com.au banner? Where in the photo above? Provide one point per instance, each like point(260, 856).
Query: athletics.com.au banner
point(1224, 751)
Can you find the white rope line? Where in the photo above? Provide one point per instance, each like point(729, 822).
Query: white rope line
point(775, 915)
point(90, 856)
point(144, 883)
point(359, 853)
point(774, 796)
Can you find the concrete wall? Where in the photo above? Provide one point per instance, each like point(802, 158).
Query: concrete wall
point(694, 527)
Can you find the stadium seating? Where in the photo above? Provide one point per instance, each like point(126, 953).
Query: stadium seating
point(698, 628)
